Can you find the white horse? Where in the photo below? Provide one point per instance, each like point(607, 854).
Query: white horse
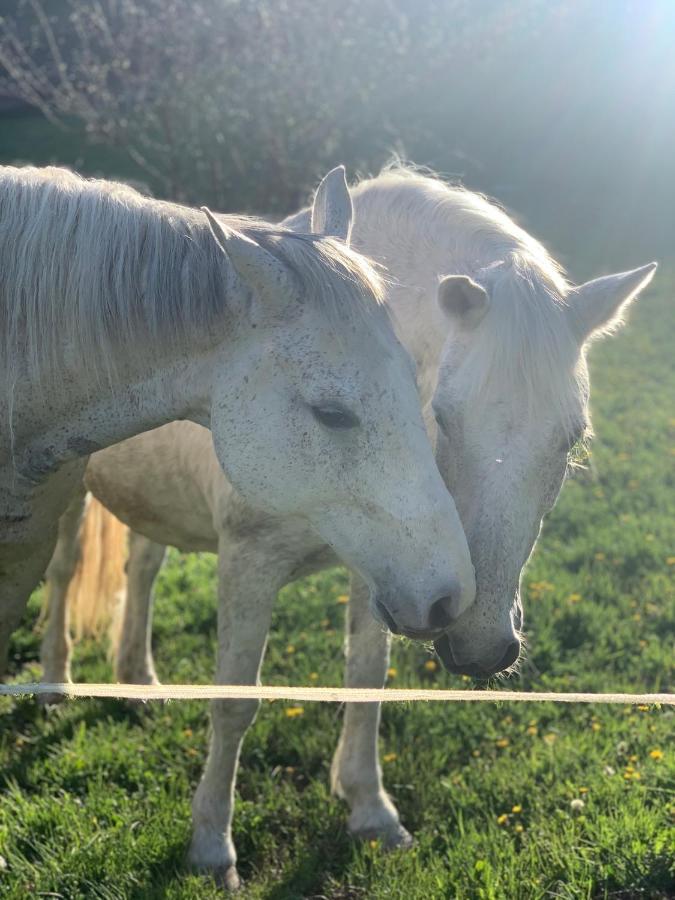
point(120, 313)
point(500, 349)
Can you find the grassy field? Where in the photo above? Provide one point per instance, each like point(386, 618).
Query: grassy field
point(95, 796)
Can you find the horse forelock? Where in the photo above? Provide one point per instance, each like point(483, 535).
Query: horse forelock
point(524, 343)
point(97, 265)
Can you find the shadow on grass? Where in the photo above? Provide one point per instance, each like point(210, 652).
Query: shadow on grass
point(64, 723)
point(312, 873)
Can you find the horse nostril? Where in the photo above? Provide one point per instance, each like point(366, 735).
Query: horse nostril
point(511, 655)
point(443, 612)
point(386, 617)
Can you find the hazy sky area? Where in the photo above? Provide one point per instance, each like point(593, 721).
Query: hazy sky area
point(564, 110)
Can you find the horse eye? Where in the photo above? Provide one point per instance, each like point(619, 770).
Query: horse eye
point(335, 417)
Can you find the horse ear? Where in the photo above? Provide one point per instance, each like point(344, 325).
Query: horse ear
point(462, 299)
point(597, 307)
point(262, 272)
point(332, 210)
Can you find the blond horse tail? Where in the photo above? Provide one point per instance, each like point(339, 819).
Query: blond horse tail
point(98, 587)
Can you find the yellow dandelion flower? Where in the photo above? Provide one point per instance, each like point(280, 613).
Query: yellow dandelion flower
point(389, 757)
point(519, 828)
point(656, 754)
point(391, 672)
point(517, 808)
point(574, 598)
point(583, 790)
point(599, 556)
point(670, 561)
point(289, 770)
point(466, 678)
point(313, 676)
point(629, 770)
point(550, 738)
point(292, 712)
point(476, 753)
point(503, 819)
point(187, 732)
point(501, 743)
point(290, 649)
point(643, 707)
point(431, 665)
point(632, 758)
point(596, 726)
point(342, 598)
point(374, 844)
point(532, 730)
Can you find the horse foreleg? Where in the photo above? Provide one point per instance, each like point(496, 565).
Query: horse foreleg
point(56, 646)
point(247, 587)
point(21, 569)
point(133, 661)
point(356, 775)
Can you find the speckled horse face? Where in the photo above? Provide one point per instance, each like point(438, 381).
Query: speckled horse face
point(320, 418)
point(504, 442)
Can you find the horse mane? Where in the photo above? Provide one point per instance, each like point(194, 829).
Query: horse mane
point(89, 266)
point(525, 339)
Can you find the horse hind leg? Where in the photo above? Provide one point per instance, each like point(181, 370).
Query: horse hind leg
point(56, 645)
point(133, 651)
point(356, 775)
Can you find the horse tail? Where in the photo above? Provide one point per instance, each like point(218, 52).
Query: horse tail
point(97, 589)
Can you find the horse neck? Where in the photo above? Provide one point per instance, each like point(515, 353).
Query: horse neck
point(77, 417)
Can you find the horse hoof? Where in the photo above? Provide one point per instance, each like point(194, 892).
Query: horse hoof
point(131, 677)
point(394, 838)
point(46, 700)
point(227, 879)
point(400, 839)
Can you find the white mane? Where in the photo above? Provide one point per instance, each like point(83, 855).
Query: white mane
point(89, 267)
point(525, 339)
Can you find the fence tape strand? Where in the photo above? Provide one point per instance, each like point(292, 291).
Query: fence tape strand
point(323, 694)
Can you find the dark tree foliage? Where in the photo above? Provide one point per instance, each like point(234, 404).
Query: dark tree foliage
point(561, 108)
point(241, 104)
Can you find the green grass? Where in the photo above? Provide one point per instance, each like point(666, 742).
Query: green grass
point(96, 795)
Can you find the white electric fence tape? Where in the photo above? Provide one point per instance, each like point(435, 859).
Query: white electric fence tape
point(324, 694)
